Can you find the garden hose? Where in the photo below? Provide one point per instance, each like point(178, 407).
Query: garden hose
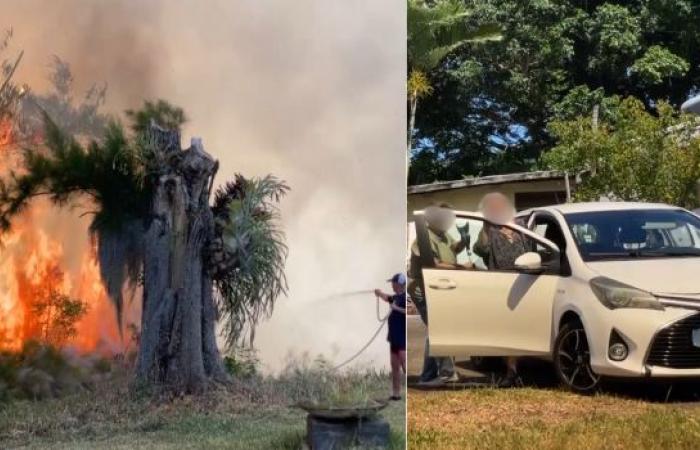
point(382, 322)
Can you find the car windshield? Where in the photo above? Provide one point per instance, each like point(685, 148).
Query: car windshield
point(630, 234)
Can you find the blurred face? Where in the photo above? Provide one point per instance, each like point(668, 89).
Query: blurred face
point(440, 219)
point(497, 208)
point(397, 287)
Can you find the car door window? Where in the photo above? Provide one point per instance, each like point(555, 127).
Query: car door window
point(499, 255)
point(481, 245)
point(548, 228)
point(469, 230)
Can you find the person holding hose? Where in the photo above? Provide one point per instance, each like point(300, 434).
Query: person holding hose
point(397, 331)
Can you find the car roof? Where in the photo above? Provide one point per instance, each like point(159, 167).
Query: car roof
point(567, 208)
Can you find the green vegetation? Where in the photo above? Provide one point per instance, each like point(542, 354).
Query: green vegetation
point(492, 105)
point(104, 171)
point(40, 371)
point(247, 220)
point(57, 316)
point(630, 153)
point(436, 29)
point(256, 413)
point(546, 420)
point(116, 173)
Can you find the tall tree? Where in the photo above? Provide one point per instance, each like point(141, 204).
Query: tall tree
point(154, 224)
point(630, 154)
point(435, 29)
point(491, 106)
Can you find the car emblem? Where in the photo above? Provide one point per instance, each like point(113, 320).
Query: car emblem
point(696, 337)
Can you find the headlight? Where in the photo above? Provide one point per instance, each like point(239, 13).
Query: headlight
point(613, 294)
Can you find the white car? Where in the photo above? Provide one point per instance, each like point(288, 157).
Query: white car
point(610, 289)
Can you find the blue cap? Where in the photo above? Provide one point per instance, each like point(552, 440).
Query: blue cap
point(398, 278)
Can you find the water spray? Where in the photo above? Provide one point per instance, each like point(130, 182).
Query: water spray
point(345, 295)
point(380, 319)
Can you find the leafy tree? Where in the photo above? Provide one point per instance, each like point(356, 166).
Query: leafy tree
point(632, 154)
point(435, 29)
point(54, 315)
point(80, 117)
point(160, 111)
point(154, 224)
point(58, 315)
point(491, 105)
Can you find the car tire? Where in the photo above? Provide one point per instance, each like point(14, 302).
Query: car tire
point(572, 361)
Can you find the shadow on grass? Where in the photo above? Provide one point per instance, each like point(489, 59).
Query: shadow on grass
point(539, 374)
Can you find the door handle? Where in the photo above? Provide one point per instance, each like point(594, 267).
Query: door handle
point(443, 283)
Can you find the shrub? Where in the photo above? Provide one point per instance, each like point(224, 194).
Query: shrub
point(40, 371)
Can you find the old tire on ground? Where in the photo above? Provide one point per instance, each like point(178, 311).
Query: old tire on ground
point(572, 359)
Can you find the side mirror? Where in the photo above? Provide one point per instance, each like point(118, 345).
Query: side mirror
point(529, 262)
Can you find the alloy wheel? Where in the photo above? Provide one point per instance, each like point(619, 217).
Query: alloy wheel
point(573, 359)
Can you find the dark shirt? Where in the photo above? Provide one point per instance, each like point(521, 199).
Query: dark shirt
point(497, 250)
point(397, 322)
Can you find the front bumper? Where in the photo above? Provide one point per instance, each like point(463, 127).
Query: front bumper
point(660, 344)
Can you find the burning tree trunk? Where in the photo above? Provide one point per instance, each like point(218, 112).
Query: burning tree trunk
point(178, 345)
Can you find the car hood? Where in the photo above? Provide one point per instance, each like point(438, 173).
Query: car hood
point(679, 276)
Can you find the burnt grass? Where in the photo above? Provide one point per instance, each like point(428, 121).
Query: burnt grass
point(254, 412)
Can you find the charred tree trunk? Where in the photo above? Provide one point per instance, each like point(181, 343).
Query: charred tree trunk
point(178, 343)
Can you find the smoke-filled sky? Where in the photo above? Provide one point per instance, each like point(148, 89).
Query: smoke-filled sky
point(311, 91)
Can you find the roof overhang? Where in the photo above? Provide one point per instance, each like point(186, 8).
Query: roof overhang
point(524, 177)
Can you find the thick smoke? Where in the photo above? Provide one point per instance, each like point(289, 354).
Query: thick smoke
point(312, 91)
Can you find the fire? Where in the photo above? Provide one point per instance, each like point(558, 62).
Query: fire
point(31, 269)
point(45, 256)
point(6, 132)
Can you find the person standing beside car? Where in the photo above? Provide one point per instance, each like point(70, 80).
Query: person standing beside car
point(445, 248)
point(499, 246)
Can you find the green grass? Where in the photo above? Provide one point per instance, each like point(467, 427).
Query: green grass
point(258, 413)
point(546, 419)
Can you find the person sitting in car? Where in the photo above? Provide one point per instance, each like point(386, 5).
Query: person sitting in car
point(499, 246)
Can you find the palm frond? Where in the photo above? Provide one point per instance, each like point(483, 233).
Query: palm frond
point(120, 251)
point(248, 268)
point(435, 31)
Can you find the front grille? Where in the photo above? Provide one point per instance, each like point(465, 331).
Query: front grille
point(673, 346)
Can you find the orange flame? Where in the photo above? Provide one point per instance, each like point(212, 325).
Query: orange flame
point(6, 132)
point(35, 263)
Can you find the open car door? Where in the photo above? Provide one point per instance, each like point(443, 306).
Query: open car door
point(481, 312)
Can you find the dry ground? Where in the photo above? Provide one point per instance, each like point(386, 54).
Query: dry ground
point(545, 417)
point(250, 415)
point(528, 418)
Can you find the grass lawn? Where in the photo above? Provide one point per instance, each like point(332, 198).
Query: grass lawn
point(258, 414)
point(541, 419)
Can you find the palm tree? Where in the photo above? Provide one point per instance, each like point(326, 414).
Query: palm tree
point(435, 30)
point(197, 263)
